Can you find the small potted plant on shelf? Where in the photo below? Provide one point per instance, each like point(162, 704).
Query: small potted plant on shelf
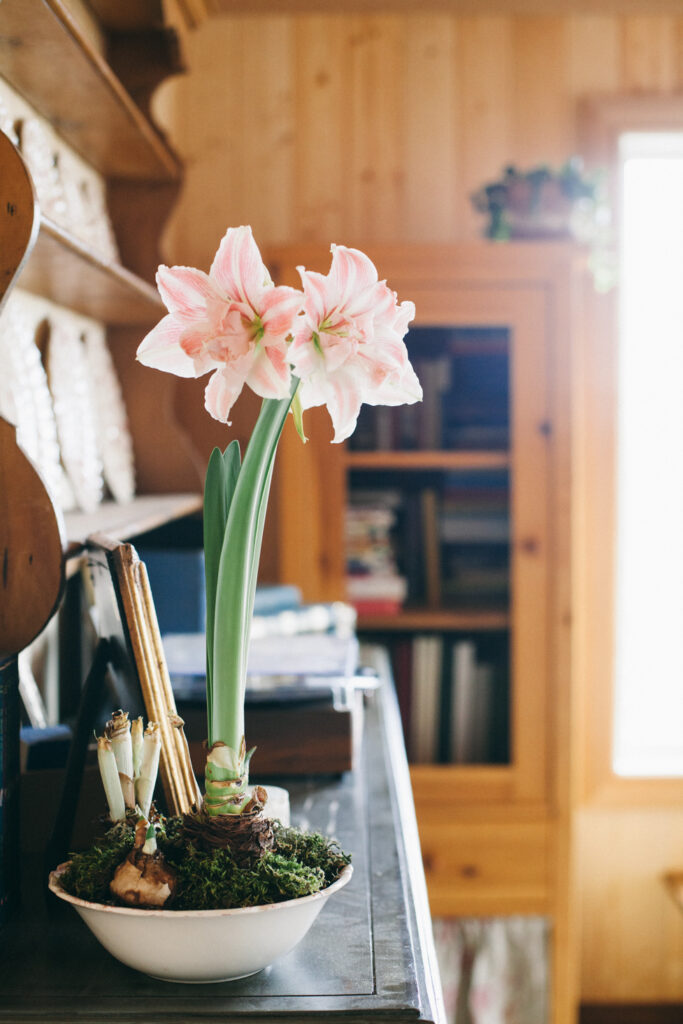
point(221, 891)
point(542, 203)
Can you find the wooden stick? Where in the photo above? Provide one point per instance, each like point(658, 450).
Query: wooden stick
point(190, 787)
point(146, 662)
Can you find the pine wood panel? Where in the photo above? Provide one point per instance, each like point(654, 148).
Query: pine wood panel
point(427, 460)
point(435, 619)
point(632, 937)
point(379, 127)
point(485, 869)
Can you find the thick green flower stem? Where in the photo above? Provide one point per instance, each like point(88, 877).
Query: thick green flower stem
point(226, 779)
point(233, 603)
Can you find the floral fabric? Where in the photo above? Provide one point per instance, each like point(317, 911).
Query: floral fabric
point(494, 971)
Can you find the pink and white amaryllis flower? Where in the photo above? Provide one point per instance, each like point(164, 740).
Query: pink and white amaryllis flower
point(232, 320)
point(348, 346)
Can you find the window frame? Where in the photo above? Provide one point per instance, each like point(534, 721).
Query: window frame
point(603, 120)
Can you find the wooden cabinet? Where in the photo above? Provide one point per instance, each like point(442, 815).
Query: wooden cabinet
point(496, 837)
point(53, 55)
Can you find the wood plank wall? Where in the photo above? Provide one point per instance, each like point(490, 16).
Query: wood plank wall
point(355, 128)
point(378, 128)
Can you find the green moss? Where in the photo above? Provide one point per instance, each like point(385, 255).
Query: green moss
point(299, 864)
point(209, 881)
point(313, 849)
point(89, 873)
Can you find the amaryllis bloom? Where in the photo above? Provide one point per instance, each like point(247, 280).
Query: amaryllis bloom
point(348, 346)
point(232, 320)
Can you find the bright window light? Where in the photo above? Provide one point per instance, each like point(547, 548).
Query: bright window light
point(648, 721)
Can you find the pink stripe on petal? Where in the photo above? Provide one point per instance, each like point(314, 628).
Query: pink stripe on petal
point(270, 375)
point(279, 310)
point(161, 349)
point(337, 351)
point(387, 350)
point(185, 291)
point(315, 291)
point(238, 268)
point(351, 273)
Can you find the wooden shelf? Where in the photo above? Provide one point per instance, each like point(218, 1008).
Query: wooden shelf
point(48, 59)
point(427, 460)
point(122, 522)
point(437, 619)
point(67, 271)
point(673, 880)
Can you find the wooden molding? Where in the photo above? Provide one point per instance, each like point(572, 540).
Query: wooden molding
point(479, 7)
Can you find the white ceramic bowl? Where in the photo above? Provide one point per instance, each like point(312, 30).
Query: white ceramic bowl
point(199, 946)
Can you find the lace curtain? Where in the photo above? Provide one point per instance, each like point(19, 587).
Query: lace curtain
point(494, 971)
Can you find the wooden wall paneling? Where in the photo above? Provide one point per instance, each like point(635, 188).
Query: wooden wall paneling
point(565, 308)
point(541, 130)
point(377, 128)
point(593, 56)
point(648, 54)
point(322, 127)
point(268, 130)
point(310, 496)
point(485, 80)
point(429, 102)
point(632, 935)
point(205, 112)
point(164, 456)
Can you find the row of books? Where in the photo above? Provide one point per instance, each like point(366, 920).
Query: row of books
point(453, 696)
point(442, 546)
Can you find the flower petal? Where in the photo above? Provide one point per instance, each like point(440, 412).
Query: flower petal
point(221, 393)
point(343, 404)
point(270, 375)
point(351, 273)
point(315, 291)
point(303, 355)
point(336, 350)
point(238, 269)
point(396, 390)
point(279, 309)
point(161, 349)
point(185, 291)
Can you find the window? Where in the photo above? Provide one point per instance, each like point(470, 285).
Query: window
point(648, 711)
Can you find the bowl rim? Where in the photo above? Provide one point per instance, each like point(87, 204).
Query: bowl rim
point(55, 886)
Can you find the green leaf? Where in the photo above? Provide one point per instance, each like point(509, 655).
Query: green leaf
point(221, 478)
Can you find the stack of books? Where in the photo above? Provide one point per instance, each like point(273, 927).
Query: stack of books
point(373, 583)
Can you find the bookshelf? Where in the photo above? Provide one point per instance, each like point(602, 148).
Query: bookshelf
point(477, 484)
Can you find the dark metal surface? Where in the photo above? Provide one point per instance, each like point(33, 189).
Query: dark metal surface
point(369, 956)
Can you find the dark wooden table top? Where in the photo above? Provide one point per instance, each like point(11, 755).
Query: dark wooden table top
point(368, 956)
